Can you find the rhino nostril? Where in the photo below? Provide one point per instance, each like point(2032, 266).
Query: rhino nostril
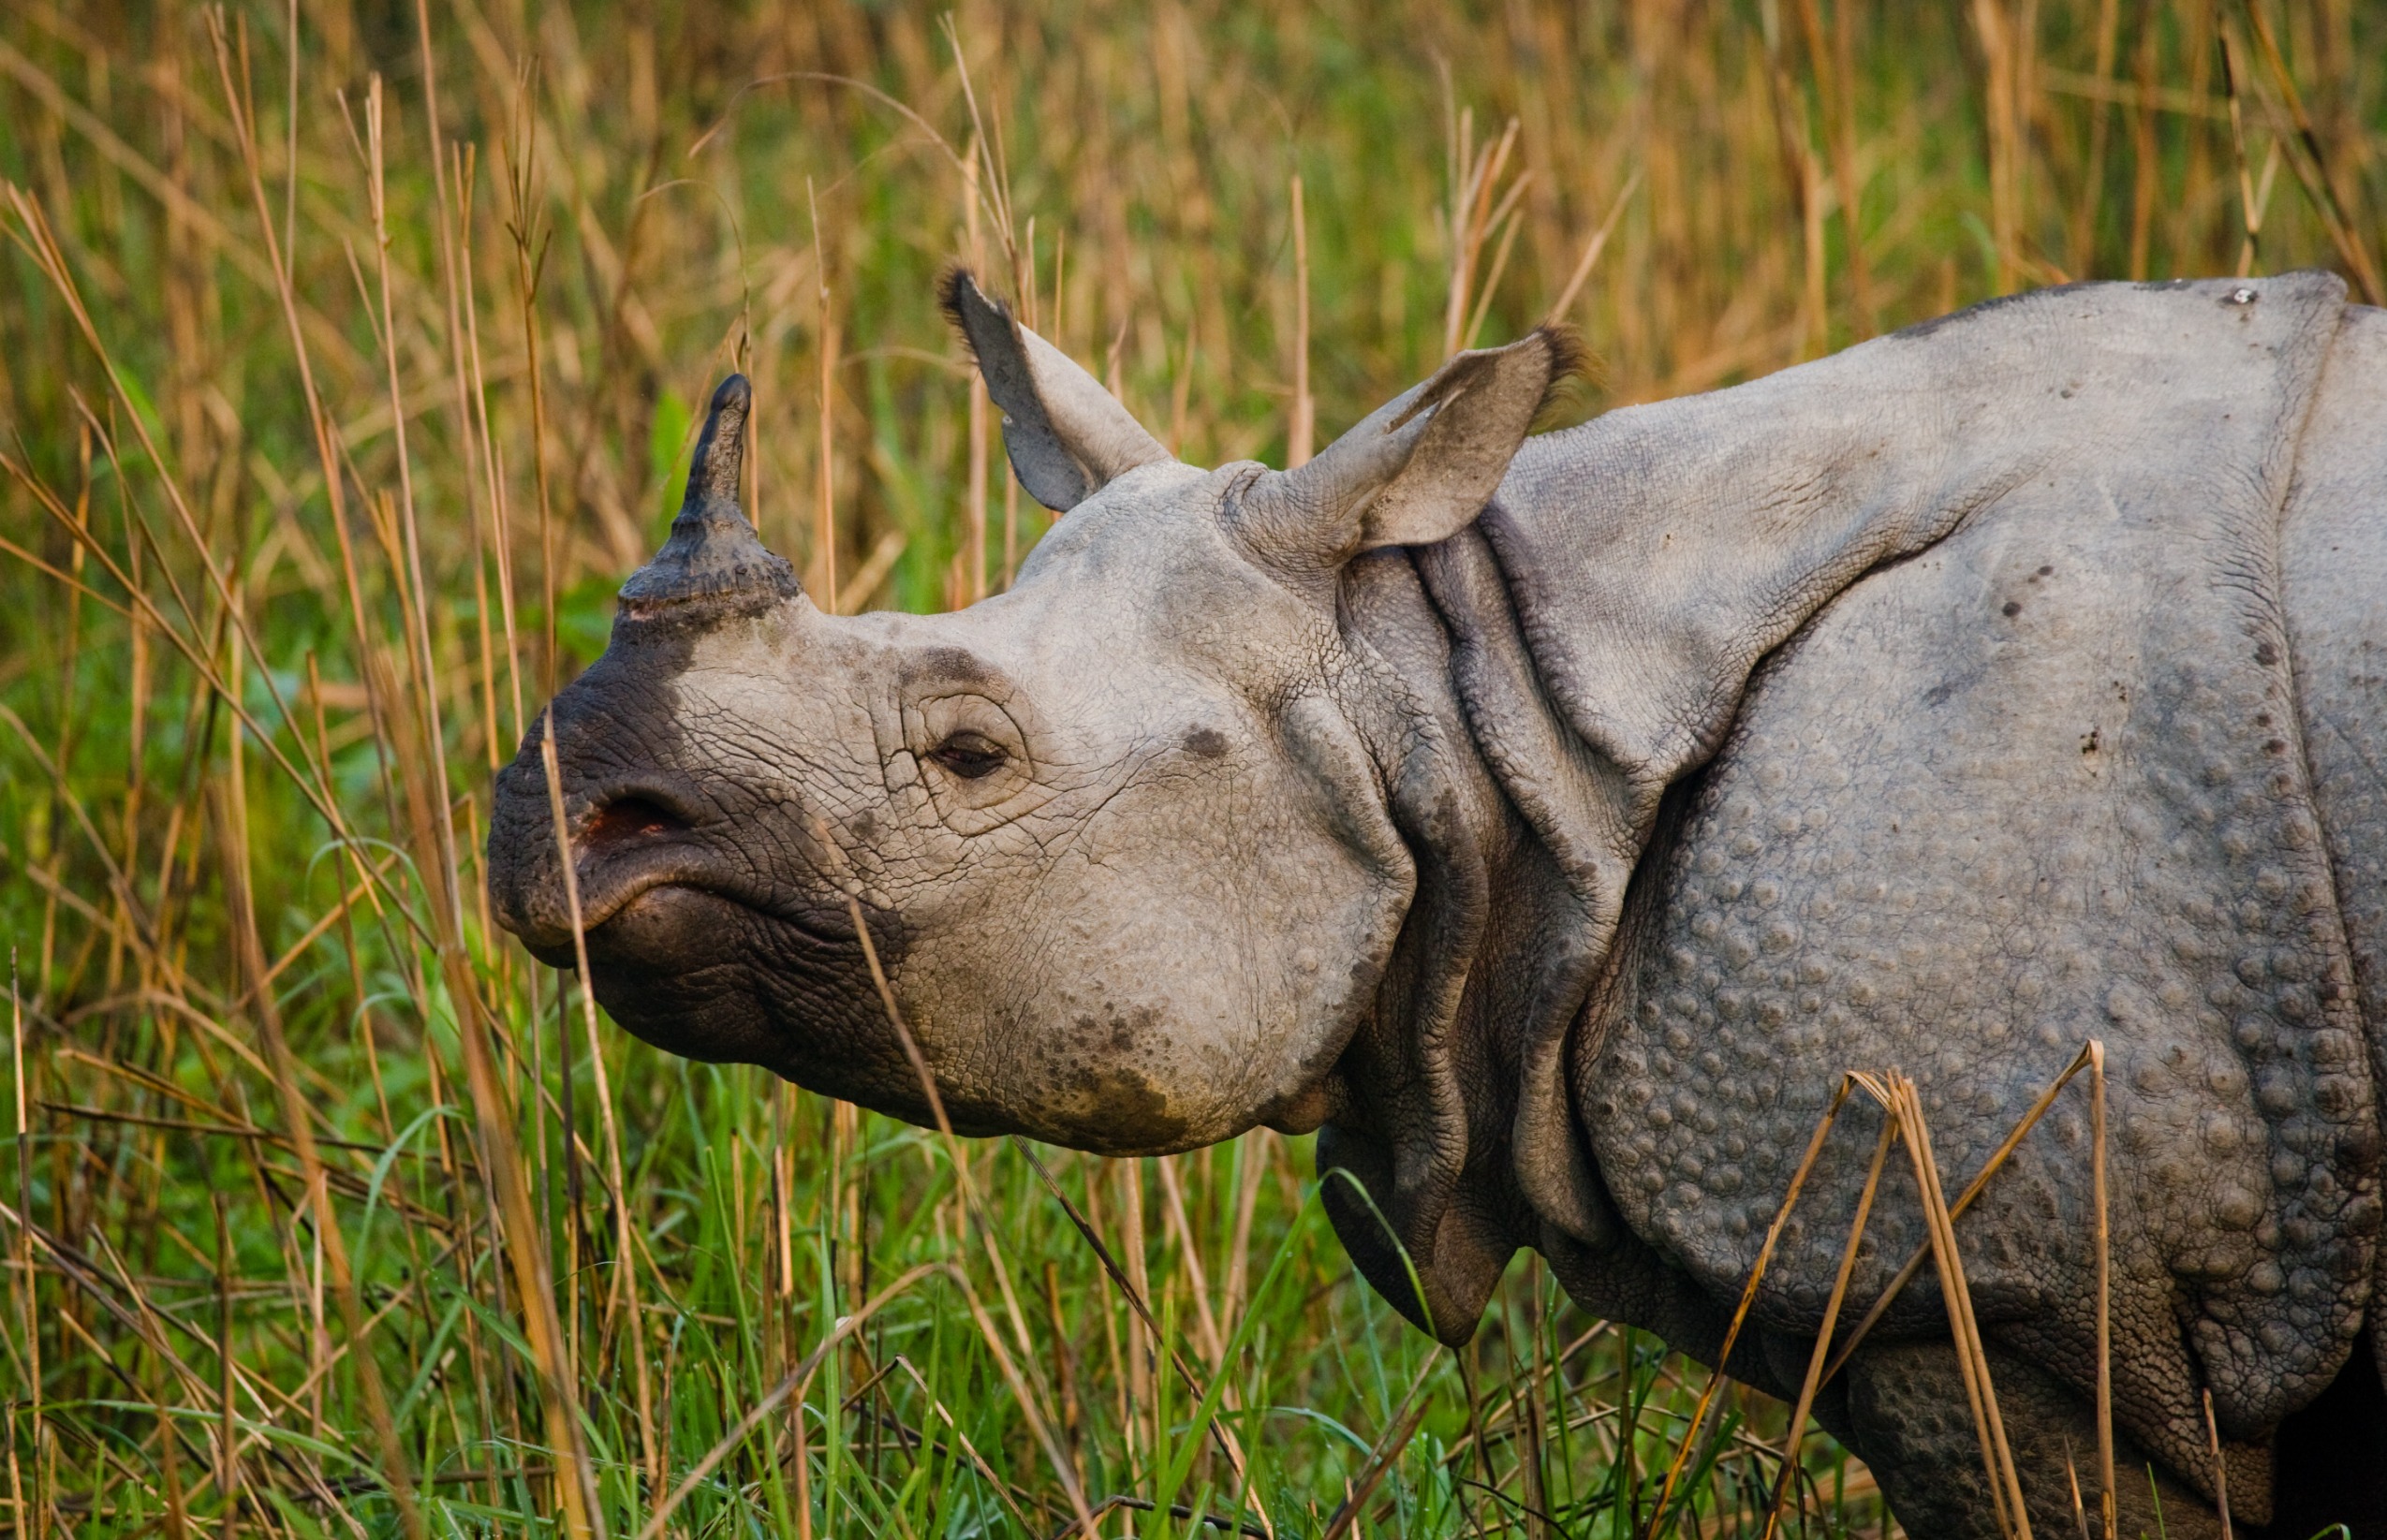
point(626, 819)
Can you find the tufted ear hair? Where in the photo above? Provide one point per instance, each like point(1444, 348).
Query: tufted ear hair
point(1416, 469)
point(1066, 434)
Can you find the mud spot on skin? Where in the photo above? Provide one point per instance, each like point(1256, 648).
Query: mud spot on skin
point(1116, 1108)
point(1206, 743)
point(1119, 1034)
point(1129, 1111)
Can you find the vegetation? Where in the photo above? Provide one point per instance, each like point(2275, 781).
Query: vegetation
point(349, 359)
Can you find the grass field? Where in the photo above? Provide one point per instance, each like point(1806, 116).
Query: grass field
point(349, 356)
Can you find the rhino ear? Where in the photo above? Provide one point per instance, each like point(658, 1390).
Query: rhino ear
point(1418, 469)
point(1067, 435)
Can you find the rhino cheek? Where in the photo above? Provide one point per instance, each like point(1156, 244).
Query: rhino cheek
point(1108, 1094)
point(1149, 993)
point(1137, 1079)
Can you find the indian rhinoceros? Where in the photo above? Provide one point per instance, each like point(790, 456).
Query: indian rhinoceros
point(1549, 822)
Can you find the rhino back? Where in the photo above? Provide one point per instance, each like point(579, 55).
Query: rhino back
point(2044, 782)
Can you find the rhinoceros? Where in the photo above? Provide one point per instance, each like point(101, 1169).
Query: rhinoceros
point(1549, 822)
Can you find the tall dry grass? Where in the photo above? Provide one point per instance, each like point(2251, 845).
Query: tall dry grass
point(348, 355)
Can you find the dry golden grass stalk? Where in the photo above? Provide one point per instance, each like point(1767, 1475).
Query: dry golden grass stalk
point(281, 1066)
point(1508, 219)
point(974, 493)
point(24, 1278)
point(2008, 144)
point(2089, 1058)
point(437, 859)
point(1803, 178)
point(42, 245)
point(1207, 1335)
point(2249, 203)
point(2312, 165)
point(626, 1285)
point(1304, 428)
point(2220, 1466)
point(227, 1470)
point(1903, 1122)
point(1408, 1416)
point(2080, 246)
point(1831, 1317)
point(1972, 1358)
point(2095, 1053)
point(824, 531)
point(395, 1465)
point(1003, 1489)
point(1663, 1512)
point(1592, 248)
point(1030, 1403)
point(1134, 1295)
point(793, 1385)
point(1472, 218)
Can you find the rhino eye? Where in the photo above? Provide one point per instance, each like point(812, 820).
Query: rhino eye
point(970, 755)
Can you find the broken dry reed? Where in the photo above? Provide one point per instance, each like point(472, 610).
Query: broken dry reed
point(2091, 1058)
point(336, 407)
point(1898, 1094)
point(1903, 1123)
point(2220, 1466)
point(1664, 1511)
point(1814, 1380)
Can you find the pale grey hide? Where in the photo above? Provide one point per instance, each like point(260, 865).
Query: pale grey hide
point(2009, 682)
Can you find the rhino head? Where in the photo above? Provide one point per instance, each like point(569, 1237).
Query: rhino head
point(1124, 836)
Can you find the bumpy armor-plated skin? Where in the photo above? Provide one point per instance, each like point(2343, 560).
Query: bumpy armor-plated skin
point(2042, 782)
point(2039, 773)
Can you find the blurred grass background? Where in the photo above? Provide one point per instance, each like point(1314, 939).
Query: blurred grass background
point(350, 355)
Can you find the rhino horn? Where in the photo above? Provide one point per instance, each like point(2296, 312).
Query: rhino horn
point(713, 558)
point(1066, 434)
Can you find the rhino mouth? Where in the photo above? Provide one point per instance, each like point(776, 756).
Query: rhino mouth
point(657, 893)
point(639, 856)
point(629, 847)
point(692, 952)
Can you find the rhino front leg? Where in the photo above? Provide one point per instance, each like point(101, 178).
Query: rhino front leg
point(1906, 1409)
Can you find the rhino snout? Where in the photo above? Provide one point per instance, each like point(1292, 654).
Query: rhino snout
point(625, 841)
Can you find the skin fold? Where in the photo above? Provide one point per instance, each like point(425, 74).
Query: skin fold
point(1550, 821)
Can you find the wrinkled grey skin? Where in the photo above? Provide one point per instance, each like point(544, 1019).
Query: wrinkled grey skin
point(1551, 821)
